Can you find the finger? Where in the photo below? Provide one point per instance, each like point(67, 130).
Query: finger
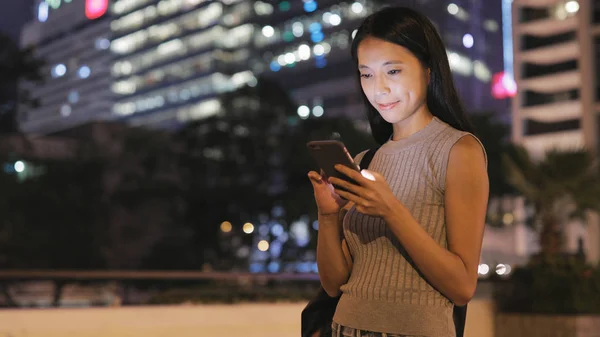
point(355, 175)
point(349, 196)
point(356, 189)
point(315, 178)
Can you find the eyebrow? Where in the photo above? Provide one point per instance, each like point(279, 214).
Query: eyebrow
point(362, 66)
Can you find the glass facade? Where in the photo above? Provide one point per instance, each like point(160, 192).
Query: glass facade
point(177, 53)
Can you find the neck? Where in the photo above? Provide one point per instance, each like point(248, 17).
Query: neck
point(412, 124)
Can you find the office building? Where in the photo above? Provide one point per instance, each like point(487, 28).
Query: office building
point(72, 37)
point(557, 50)
point(557, 60)
point(175, 57)
point(314, 39)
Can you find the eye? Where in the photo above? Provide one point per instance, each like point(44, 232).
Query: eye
point(394, 72)
point(365, 75)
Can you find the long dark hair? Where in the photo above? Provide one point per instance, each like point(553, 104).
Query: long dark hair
point(414, 31)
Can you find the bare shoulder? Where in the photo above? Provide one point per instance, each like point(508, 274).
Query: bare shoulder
point(468, 151)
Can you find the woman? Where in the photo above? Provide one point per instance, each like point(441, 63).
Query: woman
point(405, 248)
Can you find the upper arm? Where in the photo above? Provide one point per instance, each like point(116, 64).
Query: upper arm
point(466, 198)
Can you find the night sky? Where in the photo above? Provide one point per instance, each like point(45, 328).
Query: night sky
point(13, 14)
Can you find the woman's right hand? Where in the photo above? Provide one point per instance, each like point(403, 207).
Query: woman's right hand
point(328, 202)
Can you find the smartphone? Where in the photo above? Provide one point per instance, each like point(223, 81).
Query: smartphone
point(328, 153)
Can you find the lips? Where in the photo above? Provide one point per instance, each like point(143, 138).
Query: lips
point(387, 106)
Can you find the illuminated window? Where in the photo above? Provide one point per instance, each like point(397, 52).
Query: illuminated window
point(157, 33)
point(481, 71)
point(147, 59)
point(459, 12)
point(460, 64)
point(84, 72)
point(43, 11)
point(237, 14)
point(263, 8)
point(491, 25)
point(238, 36)
point(102, 44)
point(59, 70)
point(214, 84)
point(123, 6)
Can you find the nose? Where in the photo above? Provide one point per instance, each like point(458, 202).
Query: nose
point(381, 86)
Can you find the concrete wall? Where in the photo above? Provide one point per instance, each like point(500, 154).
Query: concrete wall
point(248, 320)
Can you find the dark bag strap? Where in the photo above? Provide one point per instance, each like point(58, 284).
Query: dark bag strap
point(365, 161)
point(459, 316)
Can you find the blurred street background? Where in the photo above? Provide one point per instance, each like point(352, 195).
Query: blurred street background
point(153, 161)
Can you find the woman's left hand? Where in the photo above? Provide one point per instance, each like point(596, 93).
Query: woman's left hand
point(371, 197)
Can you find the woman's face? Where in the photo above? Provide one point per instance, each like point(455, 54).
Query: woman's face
point(393, 79)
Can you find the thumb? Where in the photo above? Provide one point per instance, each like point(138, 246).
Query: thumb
point(315, 178)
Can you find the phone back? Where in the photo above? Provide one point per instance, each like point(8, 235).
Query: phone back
point(328, 153)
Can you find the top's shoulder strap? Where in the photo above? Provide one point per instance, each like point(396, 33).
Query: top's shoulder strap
point(366, 159)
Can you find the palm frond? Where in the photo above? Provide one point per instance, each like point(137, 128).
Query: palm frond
point(522, 173)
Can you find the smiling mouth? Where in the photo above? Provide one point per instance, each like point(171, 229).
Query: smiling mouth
point(387, 106)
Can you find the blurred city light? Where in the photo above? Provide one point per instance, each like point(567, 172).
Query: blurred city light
point(226, 227)
point(84, 72)
point(503, 269)
point(483, 269)
point(65, 110)
point(319, 49)
point(43, 11)
point(453, 9)
point(248, 228)
point(284, 6)
point(335, 20)
point(268, 31)
point(303, 111)
point(572, 7)
point(310, 6)
point(318, 111)
point(263, 245)
point(59, 70)
point(304, 52)
point(357, 7)
point(19, 166)
point(468, 40)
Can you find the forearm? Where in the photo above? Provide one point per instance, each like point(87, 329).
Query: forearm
point(443, 269)
point(333, 270)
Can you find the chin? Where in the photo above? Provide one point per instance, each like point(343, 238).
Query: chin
point(392, 117)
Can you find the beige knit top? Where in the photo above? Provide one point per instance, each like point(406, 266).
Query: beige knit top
point(385, 292)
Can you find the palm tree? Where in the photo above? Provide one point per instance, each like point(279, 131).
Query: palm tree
point(495, 137)
point(564, 185)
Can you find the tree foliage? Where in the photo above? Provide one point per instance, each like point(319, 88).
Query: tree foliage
point(15, 65)
point(563, 185)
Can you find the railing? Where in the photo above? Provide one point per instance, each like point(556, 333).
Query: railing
point(24, 288)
